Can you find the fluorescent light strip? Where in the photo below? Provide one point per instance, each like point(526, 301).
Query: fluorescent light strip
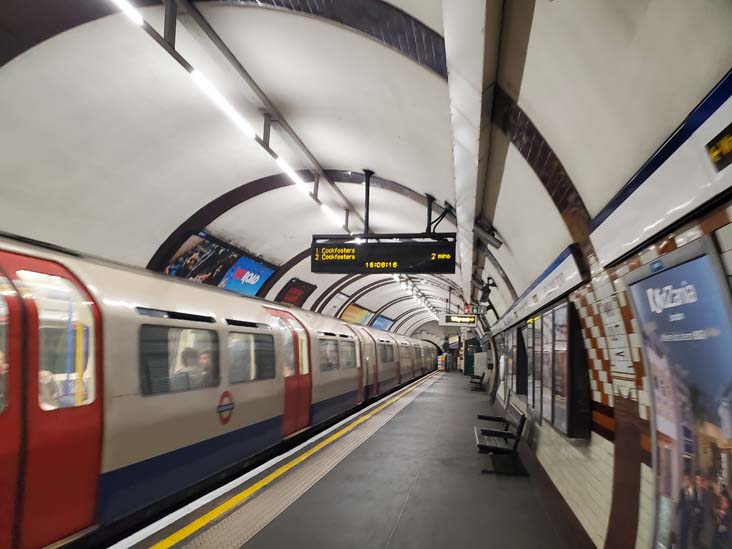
point(292, 174)
point(228, 109)
point(129, 11)
point(334, 217)
point(210, 90)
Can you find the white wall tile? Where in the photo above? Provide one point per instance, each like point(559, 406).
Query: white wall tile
point(724, 237)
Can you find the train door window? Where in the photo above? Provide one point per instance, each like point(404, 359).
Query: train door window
point(387, 352)
point(288, 347)
point(4, 319)
point(251, 357)
point(301, 340)
point(177, 359)
point(328, 354)
point(66, 341)
point(347, 354)
point(404, 355)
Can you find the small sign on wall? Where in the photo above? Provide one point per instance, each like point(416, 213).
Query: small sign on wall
point(719, 149)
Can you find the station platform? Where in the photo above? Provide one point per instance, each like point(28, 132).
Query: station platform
point(403, 473)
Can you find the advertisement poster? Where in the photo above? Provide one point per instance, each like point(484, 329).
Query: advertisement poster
point(202, 260)
point(383, 323)
point(335, 304)
point(356, 314)
point(295, 292)
point(684, 317)
point(246, 276)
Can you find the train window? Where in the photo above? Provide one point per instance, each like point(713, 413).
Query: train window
point(66, 366)
point(404, 355)
point(288, 347)
point(328, 354)
point(177, 359)
point(3, 349)
point(251, 357)
point(387, 352)
point(347, 354)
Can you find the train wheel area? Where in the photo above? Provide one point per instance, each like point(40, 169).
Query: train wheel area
point(399, 474)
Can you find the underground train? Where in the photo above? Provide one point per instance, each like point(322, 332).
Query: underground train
point(120, 387)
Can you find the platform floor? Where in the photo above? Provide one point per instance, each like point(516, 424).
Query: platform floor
point(416, 483)
point(404, 473)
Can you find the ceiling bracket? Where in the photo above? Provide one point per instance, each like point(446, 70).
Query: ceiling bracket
point(171, 19)
point(267, 127)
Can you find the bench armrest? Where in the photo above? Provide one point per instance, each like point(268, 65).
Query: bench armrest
point(499, 434)
point(491, 418)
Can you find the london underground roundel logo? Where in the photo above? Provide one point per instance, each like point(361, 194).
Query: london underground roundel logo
point(225, 409)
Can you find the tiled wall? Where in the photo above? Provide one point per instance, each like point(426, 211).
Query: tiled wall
point(583, 474)
point(582, 471)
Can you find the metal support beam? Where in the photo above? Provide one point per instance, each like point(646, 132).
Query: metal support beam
point(316, 185)
point(367, 190)
point(266, 129)
point(171, 19)
point(268, 105)
point(430, 201)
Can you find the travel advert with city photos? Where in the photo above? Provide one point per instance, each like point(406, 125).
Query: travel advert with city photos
point(682, 305)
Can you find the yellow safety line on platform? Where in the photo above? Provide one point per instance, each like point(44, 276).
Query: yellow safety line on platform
point(196, 525)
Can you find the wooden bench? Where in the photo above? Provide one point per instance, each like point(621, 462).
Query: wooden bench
point(476, 382)
point(503, 441)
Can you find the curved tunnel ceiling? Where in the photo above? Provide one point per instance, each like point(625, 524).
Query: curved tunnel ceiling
point(161, 162)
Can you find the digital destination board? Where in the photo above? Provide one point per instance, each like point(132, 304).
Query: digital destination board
point(383, 257)
point(458, 320)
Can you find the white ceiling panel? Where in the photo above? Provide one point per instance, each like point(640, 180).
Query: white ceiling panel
point(358, 105)
point(534, 232)
point(607, 82)
point(110, 144)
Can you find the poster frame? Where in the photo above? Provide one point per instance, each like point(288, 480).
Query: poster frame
point(703, 246)
point(295, 282)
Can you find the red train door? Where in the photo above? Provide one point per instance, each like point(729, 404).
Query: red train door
point(298, 383)
point(375, 366)
point(363, 366)
point(62, 394)
point(11, 363)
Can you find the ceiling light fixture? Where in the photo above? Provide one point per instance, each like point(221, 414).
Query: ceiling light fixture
point(210, 90)
point(292, 174)
point(129, 11)
point(331, 214)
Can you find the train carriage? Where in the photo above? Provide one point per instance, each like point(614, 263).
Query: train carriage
point(120, 388)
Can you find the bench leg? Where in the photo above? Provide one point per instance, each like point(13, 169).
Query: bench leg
point(518, 469)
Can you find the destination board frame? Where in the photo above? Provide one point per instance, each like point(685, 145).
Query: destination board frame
point(374, 255)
